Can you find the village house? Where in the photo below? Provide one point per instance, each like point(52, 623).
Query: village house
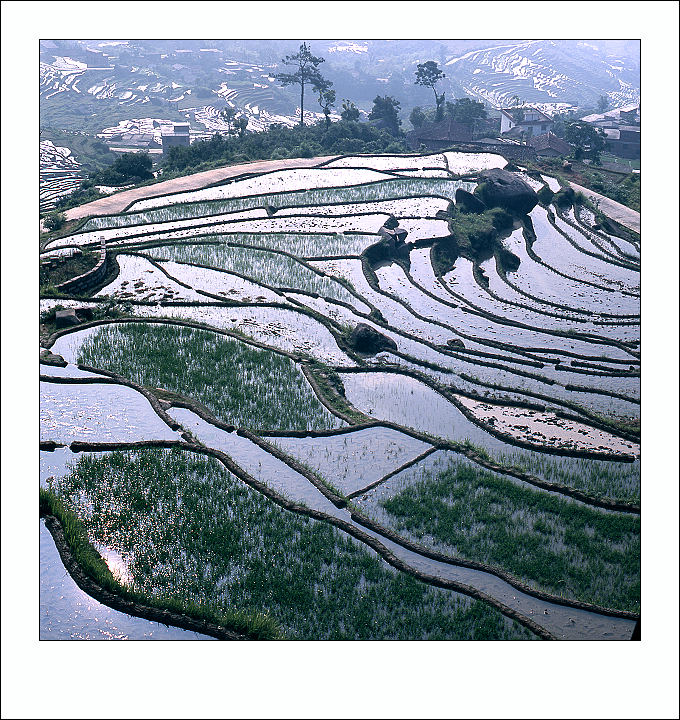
point(624, 141)
point(525, 121)
point(438, 136)
point(549, 145)
point(179, 135)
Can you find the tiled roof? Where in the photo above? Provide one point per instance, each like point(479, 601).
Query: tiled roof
point(548, 141)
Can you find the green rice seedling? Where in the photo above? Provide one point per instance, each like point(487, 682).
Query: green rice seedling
point(385, 190)
point(188, 529)
point(241, 384)
point(555, 544)
point(270, 268)
point(255, 625)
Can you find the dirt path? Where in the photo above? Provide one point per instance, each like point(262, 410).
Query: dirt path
point(622, 214)
point(118, 202)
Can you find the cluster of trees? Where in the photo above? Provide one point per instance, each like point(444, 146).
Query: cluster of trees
point(382, 133)
point(278, 142)
point(463, 111)
point(129, 168)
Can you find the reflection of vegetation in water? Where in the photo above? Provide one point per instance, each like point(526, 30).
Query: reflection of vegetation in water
point(189, 530)
point(243, 385)
point(262, 266)
point(559, 546)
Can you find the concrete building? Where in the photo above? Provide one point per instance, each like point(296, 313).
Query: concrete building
point(177, 137)
point(526, 120)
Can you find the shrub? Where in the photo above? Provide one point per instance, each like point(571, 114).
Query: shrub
point(55, 221)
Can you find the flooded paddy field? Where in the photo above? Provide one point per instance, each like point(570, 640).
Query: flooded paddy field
point(360, 439)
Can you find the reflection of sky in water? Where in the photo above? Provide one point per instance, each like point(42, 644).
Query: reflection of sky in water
point(56, 464)
point(68, 371)
point(353, 460)
point(98, 413)
point(67, 613)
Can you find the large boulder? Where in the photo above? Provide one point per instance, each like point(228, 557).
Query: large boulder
point(468, 202)
point(66, 318)
point(364, 339)
point(390, 246)
point(499, 188)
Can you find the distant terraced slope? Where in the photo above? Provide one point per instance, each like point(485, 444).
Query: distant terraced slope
point(548, 71)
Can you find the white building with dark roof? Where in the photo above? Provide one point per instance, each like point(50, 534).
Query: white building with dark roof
point(525, 119)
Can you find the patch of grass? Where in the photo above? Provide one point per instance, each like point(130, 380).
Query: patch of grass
point(475, 236)
point(604, 479)
point(241, 384)
point(188, 529)
point(556, 545)
point(66, 269)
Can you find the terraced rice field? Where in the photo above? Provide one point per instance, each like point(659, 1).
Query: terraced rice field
point(475, 477)
point(60, 174)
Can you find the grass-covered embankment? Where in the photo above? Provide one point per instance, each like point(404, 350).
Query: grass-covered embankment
point(241, 384)
point(189, 530)
point(557, 546)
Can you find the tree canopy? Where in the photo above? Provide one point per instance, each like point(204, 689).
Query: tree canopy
point(349, 111)
point(466, 111)
point(417, 117)
point(385, 113)
point(228, 115)
point(326, 101)
point(131, 167)
point(585, 138)
point(307, 73)
point(428, 74)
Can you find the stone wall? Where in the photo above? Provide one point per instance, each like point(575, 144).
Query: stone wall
point(88, 279)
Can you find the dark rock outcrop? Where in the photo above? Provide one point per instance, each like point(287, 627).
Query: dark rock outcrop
point(456, 343)
point(508, 260)
point(364, 339)
point(499, 188)
point(85, 313)
point(49, 358)
point(66, 318)
point(390, 246)
point(468, 202)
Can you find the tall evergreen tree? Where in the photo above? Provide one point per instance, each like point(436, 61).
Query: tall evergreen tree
point(307, 73)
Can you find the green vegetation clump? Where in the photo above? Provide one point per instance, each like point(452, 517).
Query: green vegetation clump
point(556, 545)
point(545, 195)
point(339, 138)
point(187, 529)
point(54, 221)
point(473, 235)
point(60, 270)
point(242, 385)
